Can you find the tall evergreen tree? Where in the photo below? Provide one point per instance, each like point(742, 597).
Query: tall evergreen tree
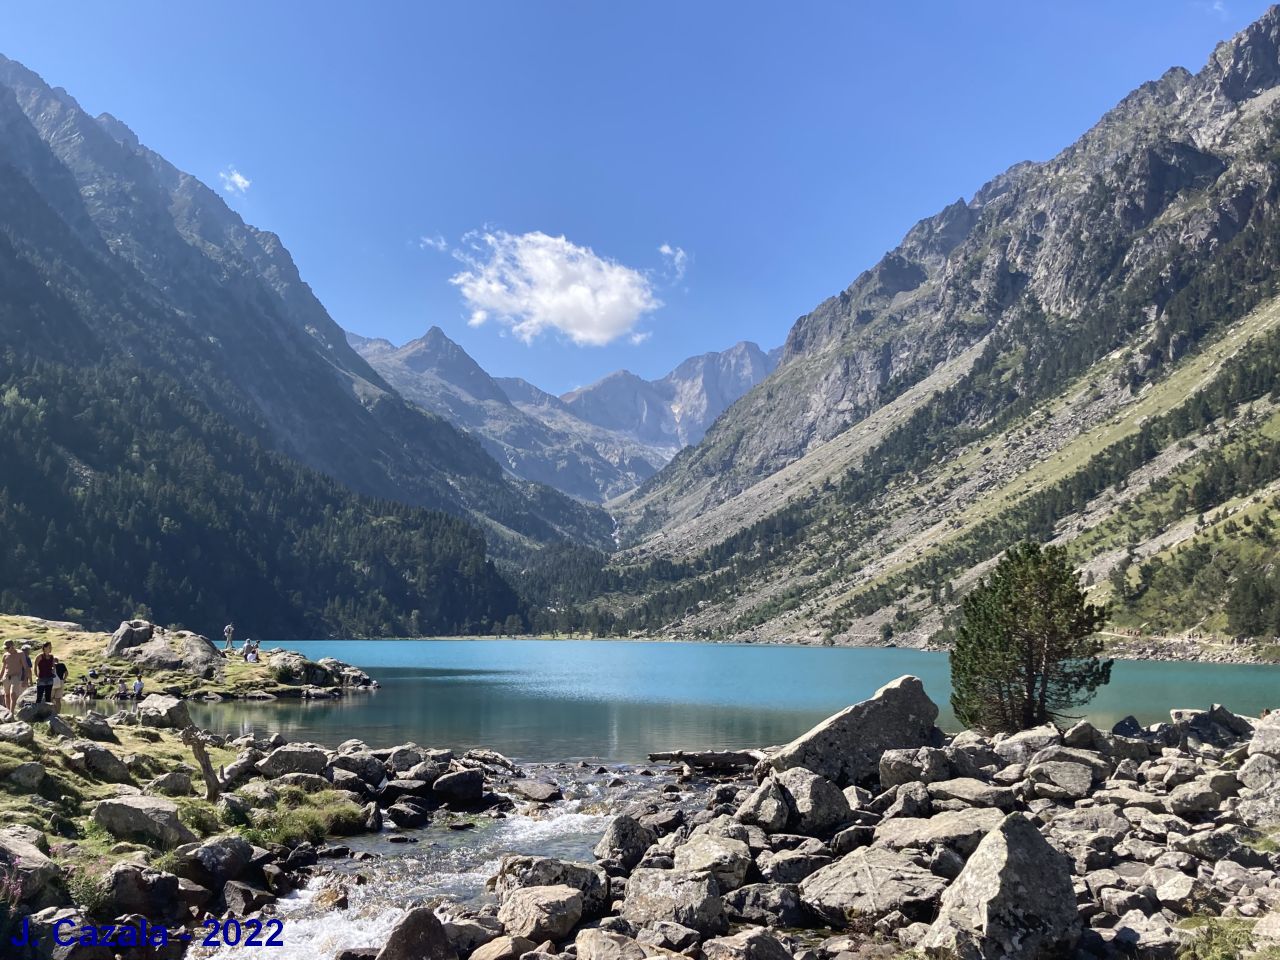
point(1026, 648)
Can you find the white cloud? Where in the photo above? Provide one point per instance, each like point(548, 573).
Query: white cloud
point(639, 338)
point(434, 242)
point(535, 283)
point(677, 260)
point(233, 181)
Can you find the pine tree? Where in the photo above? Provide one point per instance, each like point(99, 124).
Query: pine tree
point(1026, 648)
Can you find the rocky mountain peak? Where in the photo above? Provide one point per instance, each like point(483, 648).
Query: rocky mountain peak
point(1249, 63)
point(119, 130)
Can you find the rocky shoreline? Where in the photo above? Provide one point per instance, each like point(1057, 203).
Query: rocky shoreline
point(872, 835)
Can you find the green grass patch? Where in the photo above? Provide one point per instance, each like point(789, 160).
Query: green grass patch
point(299, 816)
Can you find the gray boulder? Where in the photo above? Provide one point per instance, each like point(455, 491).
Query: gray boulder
point(460, 787)
point(1266, 736)
point(175, 783)
point(132, 888)
point(922, 765)
point(164, 712)
point(957, 830)
point(518, 871)
point(1023, 745)
point(1014, 900)
point(26, 776)
point(94, 726)
point(364, 765)
point(130, 633)
point(419, 935)
point(691, 900)
point(973, 793)
point(755, 944)
point(846, 748)
point(593, 944)
point(96, 761)
point(864, 886)
point(503, 948)
point(293, 758)
point(214, 862)
point(766, 904)
point(1059, 780)
point(791, 866)
point(669, 936)
point(540, 791)
point(766, 807)
point(625, 842)
point(1260, 772)
point(541, 913)
point(815, 804)
point(725, 859)
point(152, 818)
point(37, 879)
point(18, 733)
point(294, 668)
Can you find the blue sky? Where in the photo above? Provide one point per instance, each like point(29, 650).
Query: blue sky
point(422, 161)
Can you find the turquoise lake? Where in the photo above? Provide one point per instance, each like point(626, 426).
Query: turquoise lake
point(541, 700)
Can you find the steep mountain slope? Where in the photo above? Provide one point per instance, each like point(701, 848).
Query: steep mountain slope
point(160, 272)
point(1086, 337)
point(555, 448)
point(596, 443)
point(1165, 176)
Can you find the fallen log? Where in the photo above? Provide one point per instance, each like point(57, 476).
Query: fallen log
point(711, 759)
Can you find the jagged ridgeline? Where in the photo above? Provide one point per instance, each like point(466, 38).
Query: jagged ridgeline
point(1085, 352)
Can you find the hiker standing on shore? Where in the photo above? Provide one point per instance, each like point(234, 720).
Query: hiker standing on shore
point(46, 674)
point(229, 633)
point(13, 672)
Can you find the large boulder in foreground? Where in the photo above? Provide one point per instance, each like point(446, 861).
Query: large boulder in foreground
point(34, 880)
point(418, 936)
point(541, 913)
point(689, 899)
point(846, 748)
point(867, 885)
point(1013, 901)
point(519, 871)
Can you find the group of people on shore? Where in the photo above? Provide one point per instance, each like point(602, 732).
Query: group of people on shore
point(249, 651)
point(50, 676)
point(94, 687)
point(18, 672)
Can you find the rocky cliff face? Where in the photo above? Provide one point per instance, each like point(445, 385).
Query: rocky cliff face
point(150, 265)
point(1083, 352)
point(1170, 174)
point(595, 443)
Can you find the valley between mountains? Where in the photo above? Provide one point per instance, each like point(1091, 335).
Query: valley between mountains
point(1084, 351)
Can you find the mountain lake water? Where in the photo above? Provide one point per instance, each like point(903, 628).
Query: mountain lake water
point(547, 703)
point(548, 700)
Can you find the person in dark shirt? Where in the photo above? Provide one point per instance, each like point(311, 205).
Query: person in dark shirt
point(46, 674)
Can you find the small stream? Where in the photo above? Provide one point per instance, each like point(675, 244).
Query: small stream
point(449, 864)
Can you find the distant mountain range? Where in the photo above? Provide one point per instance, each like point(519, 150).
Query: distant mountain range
point(596, 443)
